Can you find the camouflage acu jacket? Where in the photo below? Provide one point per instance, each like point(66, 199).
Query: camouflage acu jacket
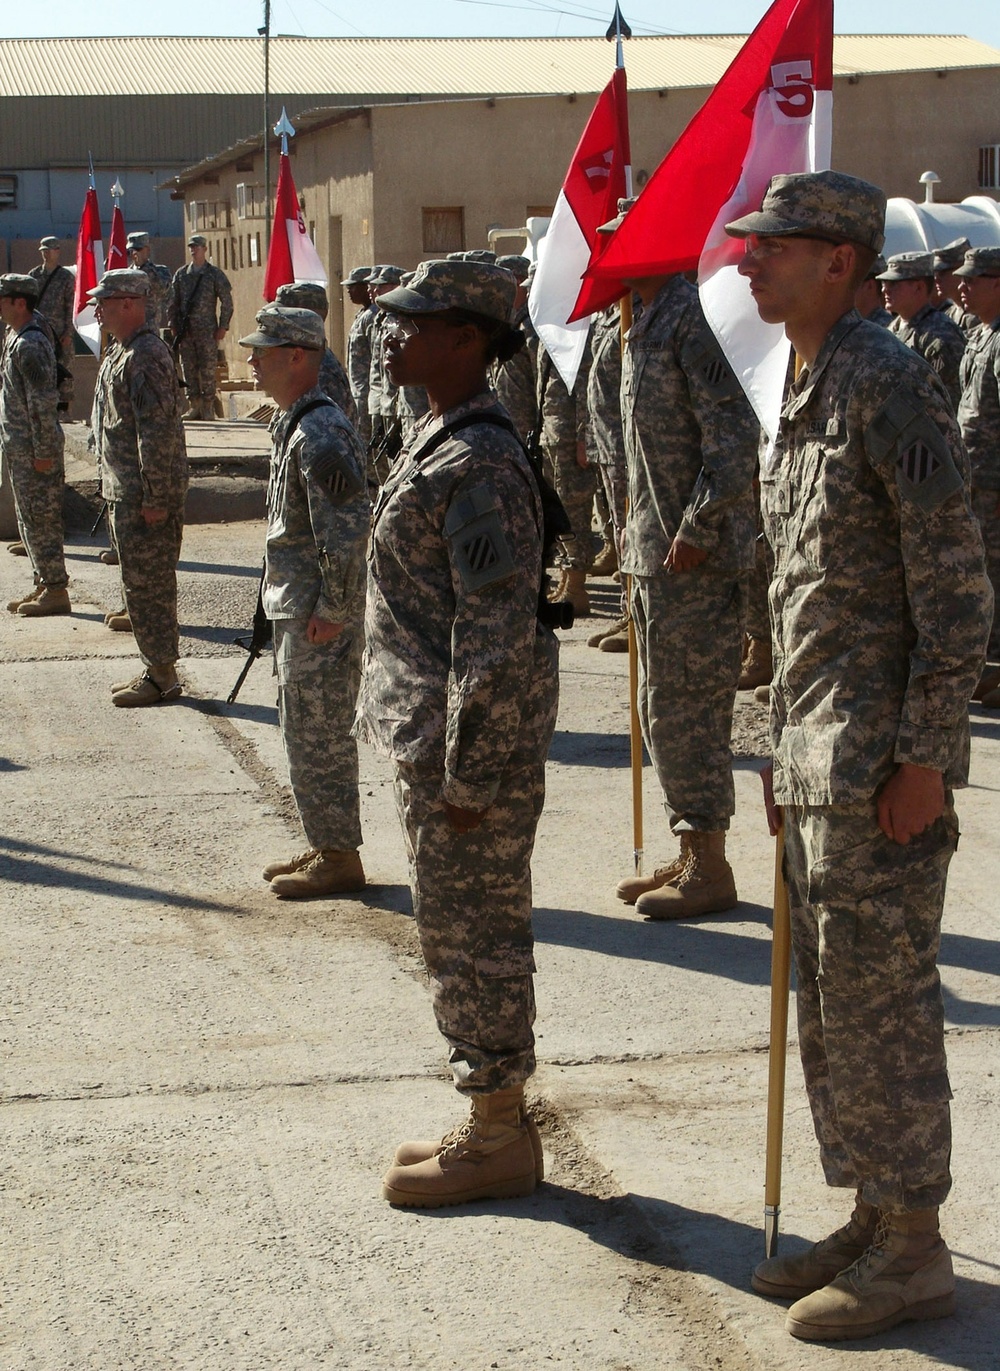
point(193, 296)
point(333, 382)
point(515, 380)
point(359, 355)
point(691, 440)
point(159, 289)
point(55, 301)
point(979, 407)
point(939, 340)
point(137, 427)
point(29, 425)
point(318, 515)
point(452, 641)
point(605, 437)
point(880, 606)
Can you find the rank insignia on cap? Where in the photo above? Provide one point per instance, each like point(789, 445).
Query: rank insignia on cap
point(918, 462)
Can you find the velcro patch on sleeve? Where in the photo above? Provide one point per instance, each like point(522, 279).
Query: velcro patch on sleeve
point(479, 547)
point(710, 366)
point(926, 472)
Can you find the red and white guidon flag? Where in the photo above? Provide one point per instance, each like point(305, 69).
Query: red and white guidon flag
point(117, 252)
point(589, 197)
point(89, 270)
point(770, 113)
point(291, 256)
point(791, 132)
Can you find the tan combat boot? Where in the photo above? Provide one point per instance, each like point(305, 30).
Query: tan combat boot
point(616, 626)
point(489, 1158)
point(290, 864)
point(763, 695)
point(606, 560)
point(632, 887)
point(119, 623)
point(789, 1278)
point(156, 685)
point(17, 549)
point(327, 872)
point(616, 642)
point(705, 886)
point(50, 600)
point(575, 591)
point(905, 1274)
point(557, 587)
point(14, 605)
point(409, 1153)
point(109, 557)
point(757, 668)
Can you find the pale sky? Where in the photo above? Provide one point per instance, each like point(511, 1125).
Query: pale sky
point(452, 18)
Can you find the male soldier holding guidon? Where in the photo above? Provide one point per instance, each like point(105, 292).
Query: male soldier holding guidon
point(198, 315)
point(313, 592)
point(139, 251)
point(142, 459)
point(56, 290)
point(31, 440)
point(879, 609)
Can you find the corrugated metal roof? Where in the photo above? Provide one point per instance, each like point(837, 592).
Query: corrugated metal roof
point(356, 68)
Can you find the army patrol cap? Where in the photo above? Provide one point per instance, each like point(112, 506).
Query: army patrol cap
point(197, 240)
point(304, 295)
point(279, 326)
point(952, 255)
point(128, 281)
point(476, 287)
point(135, 241)
point(12, 284)
point(480, 255)
point(827, 204)
point(909, 266)
point(385, 276)
point(50, 244)
point(624, 205)
point(358, 275)
point(980, 262)
point(517, 266)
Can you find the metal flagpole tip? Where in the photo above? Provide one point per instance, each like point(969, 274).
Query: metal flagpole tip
point(284, 128)
point(772, 1213)
point(637, 858)
point(117, 190)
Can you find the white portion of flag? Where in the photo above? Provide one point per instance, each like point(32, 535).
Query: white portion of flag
point(759, 352)
point(85, 322)
point(563, 255)
point(306, 264)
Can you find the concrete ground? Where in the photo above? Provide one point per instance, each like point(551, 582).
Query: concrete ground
point(202, 1085)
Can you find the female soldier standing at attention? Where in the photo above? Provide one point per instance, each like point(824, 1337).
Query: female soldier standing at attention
point(460, 689)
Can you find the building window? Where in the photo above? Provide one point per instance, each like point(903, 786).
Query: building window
point(209, 214)
point(251, 201)
point(8, 192)
point(444, 230)
point(989, 167)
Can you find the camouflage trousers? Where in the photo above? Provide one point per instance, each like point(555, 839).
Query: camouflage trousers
point(614, 482)
point(758, 614)
point(148, 555)
point(317, 690)
point(985, 504)
point(38, 505)
point(689, 634)
point(198, 352)
point(472, 904)
point(64, 356)
point(575, 486)
point(866, 927)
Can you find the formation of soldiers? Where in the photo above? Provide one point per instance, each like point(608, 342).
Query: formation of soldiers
point(886, 474)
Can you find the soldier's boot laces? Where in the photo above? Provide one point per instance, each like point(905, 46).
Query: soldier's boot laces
point(606, 560)
point(905, 1274)
point(156, 685)
point(409, 1153)
point(575, 591)
point(632, 887)
point(50, 600)
point(327, 872)
point(606, 630)
point(757, 667)
point(705, 886)
point(290, 864)
point(14, 605)
point(789, 1278)
point(489, 1157)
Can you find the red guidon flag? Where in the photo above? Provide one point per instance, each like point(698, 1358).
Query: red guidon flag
point(589, 197)
point(117, 252)
point(771, 112)
point(89, 270)
point(291, 256)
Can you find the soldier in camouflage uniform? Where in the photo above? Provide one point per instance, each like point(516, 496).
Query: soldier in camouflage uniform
point(56, 291)
point(359, 348)
point(869, 301)
point(31, 445)
point(514, 380)
point(313, 592)
point(198, 316)
point(979, 420)
point(332, 376)
point(606, 447)
point(867, 490)
point(381, 391)
point(691, 443)
point(159, 277)
point(563, 418)
point(908, 285)
point(948, 285)
point(142, 459)
point(460, 689)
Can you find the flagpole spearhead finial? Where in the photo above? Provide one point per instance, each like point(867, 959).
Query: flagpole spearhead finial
point(618, 28)
point(117, 190)
point(284, 128)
